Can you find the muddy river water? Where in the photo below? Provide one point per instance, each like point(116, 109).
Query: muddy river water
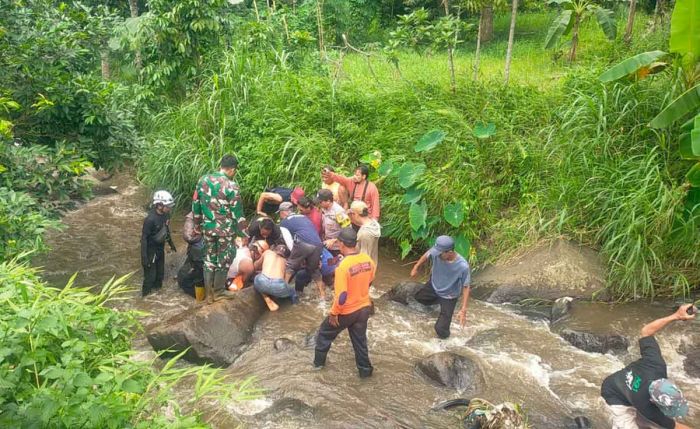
point(521, 359)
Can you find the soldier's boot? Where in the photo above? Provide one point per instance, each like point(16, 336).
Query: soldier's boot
point(209, 285)
point(220, 280)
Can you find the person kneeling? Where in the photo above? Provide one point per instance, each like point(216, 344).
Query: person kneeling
point(270, 281)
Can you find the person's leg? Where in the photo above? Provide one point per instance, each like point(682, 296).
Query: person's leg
point(160, 269)
point(442, 325)
point(623, 417)
point(426, 294)
point(324, 338)
point(210, 264)
point(226, 254)
point(301, 279)
point(358, 336)
point(296, 260)
point(149, 278)
point(313, 260)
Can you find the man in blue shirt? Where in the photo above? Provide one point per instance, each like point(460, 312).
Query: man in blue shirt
point(449, 276)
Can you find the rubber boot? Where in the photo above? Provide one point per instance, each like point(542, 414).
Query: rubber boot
point(209, 285)
point(219, 281)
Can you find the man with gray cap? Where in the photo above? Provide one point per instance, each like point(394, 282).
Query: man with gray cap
point(640, 396)
point(450, 275)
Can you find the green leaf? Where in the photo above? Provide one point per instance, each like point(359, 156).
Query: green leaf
point(430, 140)
point(463, 246)
point(690, 145)
point(405, 248)
point(685, 28)
point(103, 377)
point(420, 234)
point(631, 65)
point(454, 214)
point(484, 131)
point(131, 386)
point(688, 102)
point(412, 195)
point(417, 215)
point(560, 26)
point(82, 380)
point(606, 20)
point(409, 173)
point(385, 168)
point(693, 176)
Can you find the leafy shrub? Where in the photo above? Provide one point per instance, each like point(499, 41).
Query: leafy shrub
point(65, 362)
point(21, 224)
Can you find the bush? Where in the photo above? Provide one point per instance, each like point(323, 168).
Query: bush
point(22, 225)
point(65, 362)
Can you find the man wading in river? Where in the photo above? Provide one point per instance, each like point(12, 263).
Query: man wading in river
point(217, 213)
point(449, 276)
point(154, 234)
point(351, 306)
point(640, 396)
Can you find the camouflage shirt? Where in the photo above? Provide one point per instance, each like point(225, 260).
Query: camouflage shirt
point(216, 205)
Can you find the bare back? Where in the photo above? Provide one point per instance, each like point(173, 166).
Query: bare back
point(273, 265)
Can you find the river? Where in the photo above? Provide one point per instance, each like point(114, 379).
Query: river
point(521, 359)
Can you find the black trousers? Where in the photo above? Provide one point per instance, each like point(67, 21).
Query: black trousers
point(427, 296)
point(356, 324)
point(153, 275)
point(191, 274)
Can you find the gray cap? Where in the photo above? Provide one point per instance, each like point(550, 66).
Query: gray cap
point(444, 243)
point(286, 207)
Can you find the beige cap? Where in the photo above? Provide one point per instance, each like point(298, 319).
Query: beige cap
point(359, 207)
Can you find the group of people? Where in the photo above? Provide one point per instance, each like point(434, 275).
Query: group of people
point(332, 239)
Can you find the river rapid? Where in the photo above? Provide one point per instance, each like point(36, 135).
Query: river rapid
point(521, 359)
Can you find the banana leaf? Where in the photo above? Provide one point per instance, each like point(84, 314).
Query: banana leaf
point(560, 26)
point(685, 28)
point(688, 102)
point(631, 65)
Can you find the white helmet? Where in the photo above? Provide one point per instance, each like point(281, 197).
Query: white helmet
point(163, 197)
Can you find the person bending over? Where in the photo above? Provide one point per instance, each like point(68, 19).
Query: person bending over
point(270, 281)
point(640, 396)
point(270, 200)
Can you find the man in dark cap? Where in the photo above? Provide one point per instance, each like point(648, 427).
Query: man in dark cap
point(640, 396)
point(351, 305)
point(450, 275)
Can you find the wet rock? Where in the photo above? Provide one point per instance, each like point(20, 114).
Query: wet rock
point(403, 292)
point(596, 342)
point(216, 333)
point(532, 312)
point(691, 364)
point(452, 370)
point(547, 272)
point(284, 344)
point(560, 308)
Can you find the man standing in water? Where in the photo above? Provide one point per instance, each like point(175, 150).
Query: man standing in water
point(359, 187)
point(154, 234)
point(640, 396)
point(351, 306)
point(217, 212)
point(448, 278)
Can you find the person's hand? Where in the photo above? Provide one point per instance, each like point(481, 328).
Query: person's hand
point(414, 271)
point(333, 320)
point(329, 243)
point(263, 214)
point(462, 317)
point(682, 312)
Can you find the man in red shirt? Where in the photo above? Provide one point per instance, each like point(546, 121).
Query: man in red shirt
point(351, 305)
point(359, 187)
point(306, 207)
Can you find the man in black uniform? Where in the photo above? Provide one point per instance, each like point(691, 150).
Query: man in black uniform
point(263, 228)
point(155, 233)
point(640, 396)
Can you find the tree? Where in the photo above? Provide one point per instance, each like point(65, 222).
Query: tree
point(511, 36)
point(630, 21)
point(572, 14)
point(485, 29)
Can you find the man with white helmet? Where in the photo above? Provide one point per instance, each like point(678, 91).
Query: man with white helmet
point(154, 234)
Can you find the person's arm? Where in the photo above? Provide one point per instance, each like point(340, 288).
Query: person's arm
point(197, 210)
point(343, 197)
point(463, 311)
point(374, 199)
point(652, 328)
point(268, 197)
point(344, 181)
point(258, 264)
point(170, 238)
point(145, 232)
point(421, 261)
point(682, 426)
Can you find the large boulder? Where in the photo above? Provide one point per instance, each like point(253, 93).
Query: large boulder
point(596, 342)
point(452, 370)
point(547, 272)
point(215, 333)
point(403, 292)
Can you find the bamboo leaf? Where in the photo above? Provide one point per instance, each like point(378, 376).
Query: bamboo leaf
point(688, 102)
point(430, 140)
point(560, 26)
point(685, 28)
point(631, 65)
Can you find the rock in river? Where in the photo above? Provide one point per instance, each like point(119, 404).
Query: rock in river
point(596, 343)
point(215, 333)
point(403, 291)
point(453, 370)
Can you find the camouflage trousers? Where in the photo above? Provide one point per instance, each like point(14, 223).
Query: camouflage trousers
point(220, 251)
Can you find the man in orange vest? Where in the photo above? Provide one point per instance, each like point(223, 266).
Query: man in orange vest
point(351, 305)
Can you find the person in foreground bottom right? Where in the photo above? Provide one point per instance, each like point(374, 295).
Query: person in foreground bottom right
point(640, 396)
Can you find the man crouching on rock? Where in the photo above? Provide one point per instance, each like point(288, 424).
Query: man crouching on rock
point(351, 305)
point(640, 396)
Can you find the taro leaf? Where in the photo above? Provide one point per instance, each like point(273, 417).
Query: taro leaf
point(463, 246)
point(409, 173)
point(454, 214)
point(405, 248)
point(420, 234)
point(631, 65)
point(430, 140)
point(417, 215)
point(484, 131)
point(131, 386)
point(685, 28)
point(687, 102)
point(693, 176)
point(386, 167)
point(412, 195)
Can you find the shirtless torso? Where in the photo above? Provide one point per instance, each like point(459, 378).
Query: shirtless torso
point(273, 265)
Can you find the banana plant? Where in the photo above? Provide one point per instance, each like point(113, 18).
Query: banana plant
point(572, 14)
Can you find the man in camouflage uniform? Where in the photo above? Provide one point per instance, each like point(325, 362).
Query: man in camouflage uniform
point(217, 210)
